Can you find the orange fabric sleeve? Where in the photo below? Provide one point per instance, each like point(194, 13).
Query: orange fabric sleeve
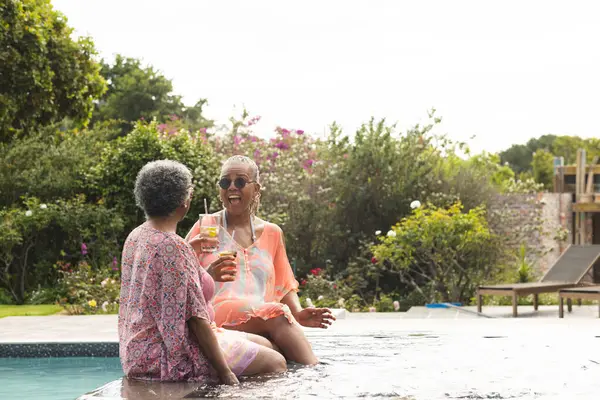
point(284, 276)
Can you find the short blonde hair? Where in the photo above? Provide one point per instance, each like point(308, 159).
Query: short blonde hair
point(243, 160)
point(255, 204)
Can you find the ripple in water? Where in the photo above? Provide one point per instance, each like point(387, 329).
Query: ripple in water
point(411, 367)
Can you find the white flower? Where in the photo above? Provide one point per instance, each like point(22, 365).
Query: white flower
point(396, 305)
point(320, 297)
point(309, 302)
point(391, 233)
point(415, 204)
point(341, 302)
point(104, 282)
point(43, 206)
point(28, 213)
point(378, 233)
point(104, 306)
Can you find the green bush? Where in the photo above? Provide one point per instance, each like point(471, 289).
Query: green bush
point(384, 304)
point(114, 176)
point(5, 297)
point(322, 291)
point(51, 165)
point(35, 235)
point(441, 253)
point(80, 284)
point(81, 289)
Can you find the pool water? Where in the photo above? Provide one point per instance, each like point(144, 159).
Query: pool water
point(370, 359)
point(54, 378)
point(424, 360)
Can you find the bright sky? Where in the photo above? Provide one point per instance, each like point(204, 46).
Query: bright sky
point(503, 71)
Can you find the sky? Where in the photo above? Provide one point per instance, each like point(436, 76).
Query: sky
point(497, 72)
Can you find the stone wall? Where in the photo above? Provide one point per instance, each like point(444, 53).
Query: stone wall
point(536, 220)
point(557, 215)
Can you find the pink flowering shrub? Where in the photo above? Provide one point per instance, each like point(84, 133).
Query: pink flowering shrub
point(286, 163)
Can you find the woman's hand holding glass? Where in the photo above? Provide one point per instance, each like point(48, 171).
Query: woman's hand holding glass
point(224, 268)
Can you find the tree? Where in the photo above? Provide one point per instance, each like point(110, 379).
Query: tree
point(114, 176)
point(136, 92)
point(567, 147)
point(519, 156)
point(543, 167)
point(45, 76)
point(373, 180)
point(474, 181)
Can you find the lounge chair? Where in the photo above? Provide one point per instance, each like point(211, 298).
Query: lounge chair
point(580, 293)
point(567, 272)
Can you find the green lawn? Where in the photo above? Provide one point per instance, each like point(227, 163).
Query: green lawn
point(18, 311)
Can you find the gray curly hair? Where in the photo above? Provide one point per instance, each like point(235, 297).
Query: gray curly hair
point(161, 187)
point(255, 204)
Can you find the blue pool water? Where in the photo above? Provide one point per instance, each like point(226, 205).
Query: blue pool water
point(369, 359)
point(54, 378)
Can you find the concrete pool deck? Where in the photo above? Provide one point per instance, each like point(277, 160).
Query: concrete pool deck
point(103, 328)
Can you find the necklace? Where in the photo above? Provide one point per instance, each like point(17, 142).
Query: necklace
point(251, 225)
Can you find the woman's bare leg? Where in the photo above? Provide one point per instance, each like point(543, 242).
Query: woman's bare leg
point(267, 361)
point(288, 337)
point(263, 341)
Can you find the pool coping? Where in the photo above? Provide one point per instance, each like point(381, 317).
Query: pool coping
point(97, 335)
point(59, 349)
point(65, 336)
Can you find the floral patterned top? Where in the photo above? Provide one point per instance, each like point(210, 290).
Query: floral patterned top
point(160, 290)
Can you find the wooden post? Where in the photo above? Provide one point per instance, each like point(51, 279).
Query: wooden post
point(561, 304)
point(515, 302)
point(577, 187)
point(535, 302)
point(582, 224)
point(479, 301)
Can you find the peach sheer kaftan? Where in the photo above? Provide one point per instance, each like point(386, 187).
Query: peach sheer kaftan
point(264, 276)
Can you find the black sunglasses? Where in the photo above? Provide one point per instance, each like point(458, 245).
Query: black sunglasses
point(240, 183)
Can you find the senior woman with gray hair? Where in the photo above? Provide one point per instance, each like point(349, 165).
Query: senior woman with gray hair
point(166, 328)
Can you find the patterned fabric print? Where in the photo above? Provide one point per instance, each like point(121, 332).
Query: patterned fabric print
point(160, 290)
point(264, 276)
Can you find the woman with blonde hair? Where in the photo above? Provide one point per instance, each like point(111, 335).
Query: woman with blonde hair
point(256, 291)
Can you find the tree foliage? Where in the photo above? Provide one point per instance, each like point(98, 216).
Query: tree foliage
point(441, 253)
point(34, 235)
point(543, 168)
point(114, 175)
point(136, 92)
point(45, 75)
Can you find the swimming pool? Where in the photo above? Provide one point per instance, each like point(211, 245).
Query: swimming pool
point(386, 358)
point(54, 378)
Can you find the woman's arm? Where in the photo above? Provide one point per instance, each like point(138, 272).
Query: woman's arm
point(210, 348)
point(286, 287)
point(309, 317)
point(293, 302)
point(183, 301)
